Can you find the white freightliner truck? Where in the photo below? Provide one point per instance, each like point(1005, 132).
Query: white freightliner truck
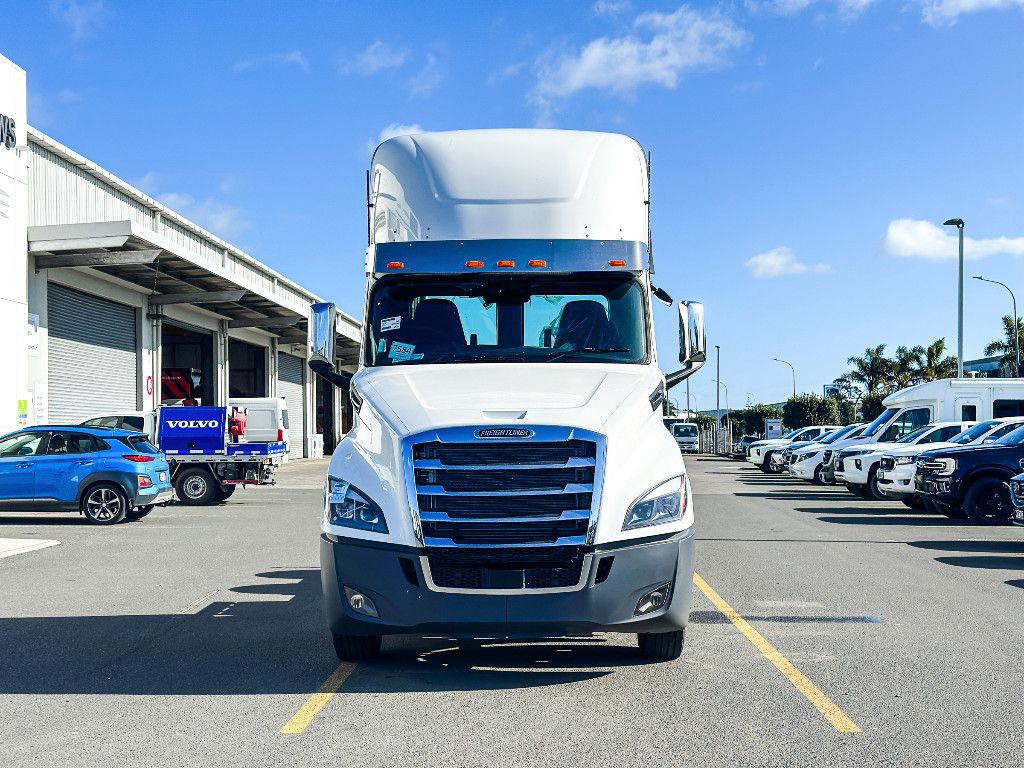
point(508, 472)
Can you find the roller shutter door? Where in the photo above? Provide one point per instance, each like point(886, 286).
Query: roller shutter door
point(93, 356)
point(291, 372)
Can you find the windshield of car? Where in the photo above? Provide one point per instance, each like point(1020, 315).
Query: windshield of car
point(1016, 437)
point(507, 319)
point(839, 434)
point(972, 434)
point(911, 437)
point(876, 425)
point(685, 430)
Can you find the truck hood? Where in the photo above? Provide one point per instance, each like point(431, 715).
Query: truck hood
point(914, 450)
point(418, 398)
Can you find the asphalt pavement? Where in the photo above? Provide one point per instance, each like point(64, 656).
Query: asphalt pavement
point(194, 636)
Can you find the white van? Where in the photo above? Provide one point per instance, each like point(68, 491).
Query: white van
point(687, 436)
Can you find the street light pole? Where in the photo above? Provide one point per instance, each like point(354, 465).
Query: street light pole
point(959, 224)
point(792, 370)
point(1013, 324)
point(718, 390)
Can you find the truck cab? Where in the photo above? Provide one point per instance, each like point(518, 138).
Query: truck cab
point(508, 471)
point(687, 435)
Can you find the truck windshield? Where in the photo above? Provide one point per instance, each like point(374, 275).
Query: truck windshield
point(839, 434)
point(686, 430)
point(974, 432)
point(507, 319)
point(881, 421)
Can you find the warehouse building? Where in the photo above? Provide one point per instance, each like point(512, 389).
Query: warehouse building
point(110, 301)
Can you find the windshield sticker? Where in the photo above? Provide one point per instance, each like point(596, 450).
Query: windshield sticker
point(401, 352)
point(382, 346)
point(390, 324)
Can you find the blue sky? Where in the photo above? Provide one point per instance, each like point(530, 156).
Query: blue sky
point(803, 150)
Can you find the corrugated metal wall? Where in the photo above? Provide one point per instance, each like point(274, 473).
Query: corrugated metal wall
point(92, 358)
point(61, 193)
point(291, 381)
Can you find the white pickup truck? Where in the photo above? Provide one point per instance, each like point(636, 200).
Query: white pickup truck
point(508, 471)
point(760, 453)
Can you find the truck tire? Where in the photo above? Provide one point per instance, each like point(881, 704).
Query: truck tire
point(988, 502)
point(104, 504)
point(818, 472)
point(356, 647)
point(661, 646)
point(225, 491)
point(195, 487)
point(874, 492)
point(139, 512)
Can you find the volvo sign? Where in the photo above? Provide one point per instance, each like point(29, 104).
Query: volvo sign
point(8, 131)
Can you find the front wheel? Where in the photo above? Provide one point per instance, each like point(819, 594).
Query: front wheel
point(819, 471)
point(225, 492)
point(195, 487)
point(873, 488)
point(661, 646)
point(104, 504)
point(988, 502)
point(356, 647)
point(770, 466)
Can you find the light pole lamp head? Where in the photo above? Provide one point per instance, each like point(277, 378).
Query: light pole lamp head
point(958, 223)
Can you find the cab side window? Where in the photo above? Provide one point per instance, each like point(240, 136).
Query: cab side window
point(906, 423)
point(64, 443)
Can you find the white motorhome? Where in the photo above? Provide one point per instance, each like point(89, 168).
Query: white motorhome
point(939, 400)
point(508, 471)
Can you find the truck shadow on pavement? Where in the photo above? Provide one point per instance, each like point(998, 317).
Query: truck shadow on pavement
point(270, 640)
point(994, 555)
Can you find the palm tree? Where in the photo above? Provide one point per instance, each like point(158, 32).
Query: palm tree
point(871, 370)
point(1005, 346)
point(933, 365)
point(904, 366)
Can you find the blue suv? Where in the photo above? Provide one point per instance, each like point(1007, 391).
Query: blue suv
point(106, 474)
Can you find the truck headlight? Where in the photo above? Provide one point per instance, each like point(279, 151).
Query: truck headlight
point(906, 459)
point(347, 506)
point(662, 504)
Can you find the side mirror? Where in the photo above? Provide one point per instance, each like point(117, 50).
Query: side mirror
point(692, 344)
point(322, 319)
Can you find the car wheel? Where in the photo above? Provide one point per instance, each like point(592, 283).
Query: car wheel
point(139, 512)
point(873, 489)
point(356, 647)
point(196, 487)
point(818, 472)
point(104, 504)
point(661, 646)
point(769, 466)
point(913, 502)
point(854, 489)
point(988, 502)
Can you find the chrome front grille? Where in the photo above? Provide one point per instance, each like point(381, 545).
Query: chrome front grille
point(516, 492)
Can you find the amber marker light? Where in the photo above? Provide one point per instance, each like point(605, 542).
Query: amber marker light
point(396, 265)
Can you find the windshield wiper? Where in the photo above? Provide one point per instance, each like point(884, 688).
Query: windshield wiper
point(595, 350)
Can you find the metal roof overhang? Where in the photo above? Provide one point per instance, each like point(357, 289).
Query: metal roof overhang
point(143, 259)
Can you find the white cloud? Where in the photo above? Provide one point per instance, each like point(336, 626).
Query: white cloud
point(663, 47)
point(946, 12)
point(779, 262)
point(291, 58)
point(377, 56)
point(82, 18)
point(390, 131)
point(226, 221)
point(609, 7)
point(47, 109)
point(426, 81)
point(916, 239)
point(148, 182)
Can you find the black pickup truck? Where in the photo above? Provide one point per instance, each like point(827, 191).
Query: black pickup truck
point(972, 480)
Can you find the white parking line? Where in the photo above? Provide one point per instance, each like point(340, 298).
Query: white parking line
point(11, 547)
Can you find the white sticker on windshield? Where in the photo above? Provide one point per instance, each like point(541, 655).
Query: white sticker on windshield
point(390, 324)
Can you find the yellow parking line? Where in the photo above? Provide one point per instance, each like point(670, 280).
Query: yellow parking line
point(811, 692)
point(301, 719)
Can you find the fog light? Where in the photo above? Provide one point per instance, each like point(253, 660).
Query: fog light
point(857, 462)
point(360, 603)
point(653, 600)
